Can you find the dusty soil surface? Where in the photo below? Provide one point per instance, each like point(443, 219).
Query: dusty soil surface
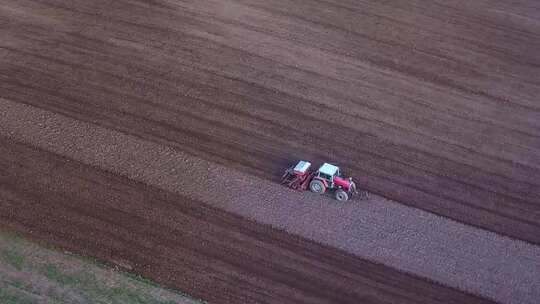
point(184, 243)
point(383, 231)
point(430, 103)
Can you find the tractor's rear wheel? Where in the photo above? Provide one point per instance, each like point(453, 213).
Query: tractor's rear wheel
point(317, 186)
point(341, 195)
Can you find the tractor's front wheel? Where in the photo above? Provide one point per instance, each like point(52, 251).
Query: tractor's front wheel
point(317, 186)
point(341, 195)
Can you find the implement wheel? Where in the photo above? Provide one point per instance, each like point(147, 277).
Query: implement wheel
point(317, 186)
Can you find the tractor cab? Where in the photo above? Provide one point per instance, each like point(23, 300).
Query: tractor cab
point(327, 172)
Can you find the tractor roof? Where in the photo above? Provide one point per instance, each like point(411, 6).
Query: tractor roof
point(328, 169)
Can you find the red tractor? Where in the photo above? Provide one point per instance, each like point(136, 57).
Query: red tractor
point(327, 177)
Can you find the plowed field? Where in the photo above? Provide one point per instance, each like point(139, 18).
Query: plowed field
point(433, 104)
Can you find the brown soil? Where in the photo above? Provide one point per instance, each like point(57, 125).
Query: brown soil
point(430, 104)
point(185, 244)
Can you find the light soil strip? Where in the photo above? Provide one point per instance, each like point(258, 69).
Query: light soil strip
point(380, 230)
